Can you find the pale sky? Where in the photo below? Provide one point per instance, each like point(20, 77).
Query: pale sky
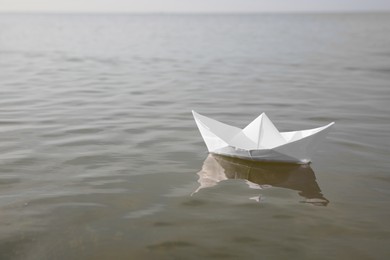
point(193, 6)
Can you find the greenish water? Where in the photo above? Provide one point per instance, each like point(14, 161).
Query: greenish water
point(101, 159)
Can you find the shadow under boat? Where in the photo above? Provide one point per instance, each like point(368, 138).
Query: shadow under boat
point(296, 177)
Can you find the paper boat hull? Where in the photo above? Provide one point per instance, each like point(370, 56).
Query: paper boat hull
point(267, 155)
point(292, 147)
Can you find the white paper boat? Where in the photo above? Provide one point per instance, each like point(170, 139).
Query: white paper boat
point(260, 140)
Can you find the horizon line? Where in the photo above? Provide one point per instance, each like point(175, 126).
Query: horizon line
point(375, 11)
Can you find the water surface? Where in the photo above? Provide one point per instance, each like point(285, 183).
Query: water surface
point(101, 159)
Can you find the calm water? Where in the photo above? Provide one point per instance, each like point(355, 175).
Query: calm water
point(101, 159)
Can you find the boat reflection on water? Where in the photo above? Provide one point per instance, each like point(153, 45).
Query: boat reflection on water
point(258, 175)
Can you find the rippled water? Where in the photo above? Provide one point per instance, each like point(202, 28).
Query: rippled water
point(101, 159)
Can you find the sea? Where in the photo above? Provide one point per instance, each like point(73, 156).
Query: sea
point(100, 157)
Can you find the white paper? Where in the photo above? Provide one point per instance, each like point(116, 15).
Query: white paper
point(260, 140)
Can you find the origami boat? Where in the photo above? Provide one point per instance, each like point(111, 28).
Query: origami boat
point(260, 140)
